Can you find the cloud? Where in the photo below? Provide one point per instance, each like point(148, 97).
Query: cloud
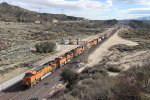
point(139, 11)
point(81, 8)
point(92, 9)
point(73, 5)
point(143, 2)
point(132, 13)
point(126, 1)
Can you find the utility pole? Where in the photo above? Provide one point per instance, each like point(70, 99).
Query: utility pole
point(86, 53)
point(2, 88)
point(62, 11)
point(39, 9)
point(9, 1)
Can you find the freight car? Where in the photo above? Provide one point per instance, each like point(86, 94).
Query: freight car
point(34, 76)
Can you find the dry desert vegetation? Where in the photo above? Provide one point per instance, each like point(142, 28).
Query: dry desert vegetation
point(121, 74)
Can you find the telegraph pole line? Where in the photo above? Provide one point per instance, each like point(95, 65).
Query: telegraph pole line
point(62, 11)
point(9, 1)
point(85, 54)
point(40, 9)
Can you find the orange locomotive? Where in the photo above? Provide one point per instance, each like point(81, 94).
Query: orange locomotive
point(93, 42)
point(34, 76)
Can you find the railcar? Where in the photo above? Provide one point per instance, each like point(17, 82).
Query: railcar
point(91, 43)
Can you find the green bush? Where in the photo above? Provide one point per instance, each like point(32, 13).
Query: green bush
point(68, 76)
point(45, 47)
point(114, 69)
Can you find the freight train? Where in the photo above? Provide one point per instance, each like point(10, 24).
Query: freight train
point(34, 76)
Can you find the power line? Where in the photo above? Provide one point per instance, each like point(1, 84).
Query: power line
point(39, 9)
point(9, 1)
point(62, 11)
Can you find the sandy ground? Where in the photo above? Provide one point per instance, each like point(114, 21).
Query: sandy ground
point(124, 61)
point(12, 74)
point(99, 53)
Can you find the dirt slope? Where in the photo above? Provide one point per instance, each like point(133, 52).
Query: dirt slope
point(102, 51)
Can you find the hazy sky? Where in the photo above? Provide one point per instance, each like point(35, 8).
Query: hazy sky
point(91, 9)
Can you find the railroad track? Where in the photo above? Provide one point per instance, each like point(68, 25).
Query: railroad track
point(27, 94)
point(8, 93)
point(17, 92)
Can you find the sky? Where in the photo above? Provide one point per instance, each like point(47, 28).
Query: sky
point(90, 9)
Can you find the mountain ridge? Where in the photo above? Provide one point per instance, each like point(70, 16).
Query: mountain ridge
point(143, 18)
point(10, 13)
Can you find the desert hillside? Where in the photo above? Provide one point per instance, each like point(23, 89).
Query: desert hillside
point(17, 14)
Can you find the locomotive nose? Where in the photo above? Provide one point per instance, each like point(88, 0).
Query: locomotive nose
point(26, 81)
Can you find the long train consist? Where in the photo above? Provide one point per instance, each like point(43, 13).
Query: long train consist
point(34, 76)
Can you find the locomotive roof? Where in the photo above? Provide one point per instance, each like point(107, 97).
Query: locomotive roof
point(68, 52)
point(50, 62)
point(39, 68)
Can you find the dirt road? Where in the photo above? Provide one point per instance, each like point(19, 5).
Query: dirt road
point(99, 53)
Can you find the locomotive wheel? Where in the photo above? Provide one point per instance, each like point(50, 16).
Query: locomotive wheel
point(31, 85)
point(69, 60)
point(65, 62)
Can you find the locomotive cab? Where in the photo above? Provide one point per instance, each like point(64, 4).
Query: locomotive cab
point(27, 79)
point(61, 60)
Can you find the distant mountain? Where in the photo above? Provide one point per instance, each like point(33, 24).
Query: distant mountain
point(17, 14)
point(143, 18)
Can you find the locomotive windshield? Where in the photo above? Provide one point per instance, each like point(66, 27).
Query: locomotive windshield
point(28, 75)
point(57, 59)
